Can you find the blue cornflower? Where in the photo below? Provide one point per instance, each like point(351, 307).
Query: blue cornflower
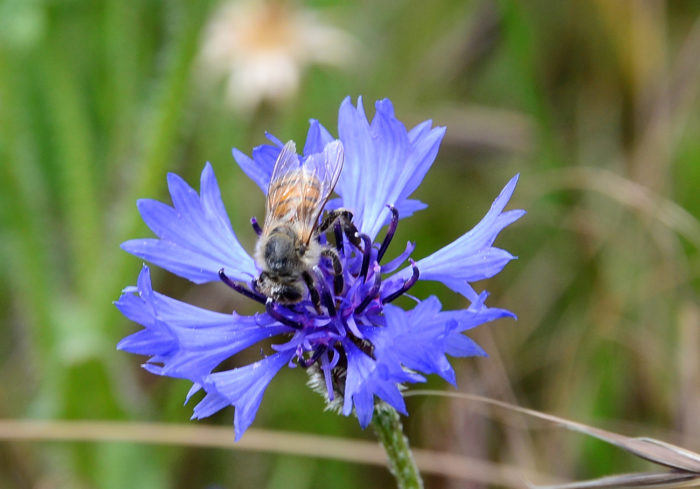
point(357, 344)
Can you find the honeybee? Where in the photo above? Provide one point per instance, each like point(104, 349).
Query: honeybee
point(288, 248)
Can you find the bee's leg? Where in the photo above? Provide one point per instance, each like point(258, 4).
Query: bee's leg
point(344, 216)
point(338, 282)
point(331, 217)
point(338, 233)
point(315, 298)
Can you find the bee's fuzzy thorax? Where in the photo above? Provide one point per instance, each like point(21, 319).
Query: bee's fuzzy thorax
point(312, 255)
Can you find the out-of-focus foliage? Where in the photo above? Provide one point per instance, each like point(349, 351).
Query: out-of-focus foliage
point(595, 103)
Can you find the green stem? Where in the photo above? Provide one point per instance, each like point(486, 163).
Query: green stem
point(388, 427)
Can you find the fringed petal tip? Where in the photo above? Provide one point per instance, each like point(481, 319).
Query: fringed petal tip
point(384, 162)
point(195, 238)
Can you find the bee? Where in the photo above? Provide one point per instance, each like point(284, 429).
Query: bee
point(288, 248)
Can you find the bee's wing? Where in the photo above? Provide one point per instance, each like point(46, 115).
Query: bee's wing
point(298, 193)
point(321, 172)
point(283, 182)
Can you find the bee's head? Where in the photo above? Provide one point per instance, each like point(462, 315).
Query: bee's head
point(283, 292)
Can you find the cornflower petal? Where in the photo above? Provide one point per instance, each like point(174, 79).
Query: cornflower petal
point(471, 257)
point(418, 338)
point(196, 238)
point(243, 388)
point(185, 341)
point(259, 167)
point(476, 314)
point(462, 346)
point(316, 138)
point(258, 172)
point(365, 379)
point(406, 208)
point(421, 338)
point(384, 163)
point(211, 403)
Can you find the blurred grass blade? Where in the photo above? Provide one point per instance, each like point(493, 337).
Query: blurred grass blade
point(73, 139)
point(24, 217)
point(678, 458)
point(666, 480)
point(160, 140)
point(327, 447)
point(656, 451)
point(630, 194)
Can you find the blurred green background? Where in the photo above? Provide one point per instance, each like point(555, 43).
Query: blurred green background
point(594, 103)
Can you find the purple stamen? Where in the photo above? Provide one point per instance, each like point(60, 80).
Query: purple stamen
point(396, 262)
point(390, 232)
point(256, 226)
point(406, 285)
point(275, 314)
point(366, 255)
point(326, 298)
point(350, 324)
point(314, 358)
point(372, 293)
point(241, 289)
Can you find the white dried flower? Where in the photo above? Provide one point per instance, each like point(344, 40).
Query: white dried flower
point(262, 48)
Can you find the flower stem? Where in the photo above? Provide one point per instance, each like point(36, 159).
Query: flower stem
point(388, 427)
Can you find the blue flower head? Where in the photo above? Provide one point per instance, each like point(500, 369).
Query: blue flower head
point(358, 346)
